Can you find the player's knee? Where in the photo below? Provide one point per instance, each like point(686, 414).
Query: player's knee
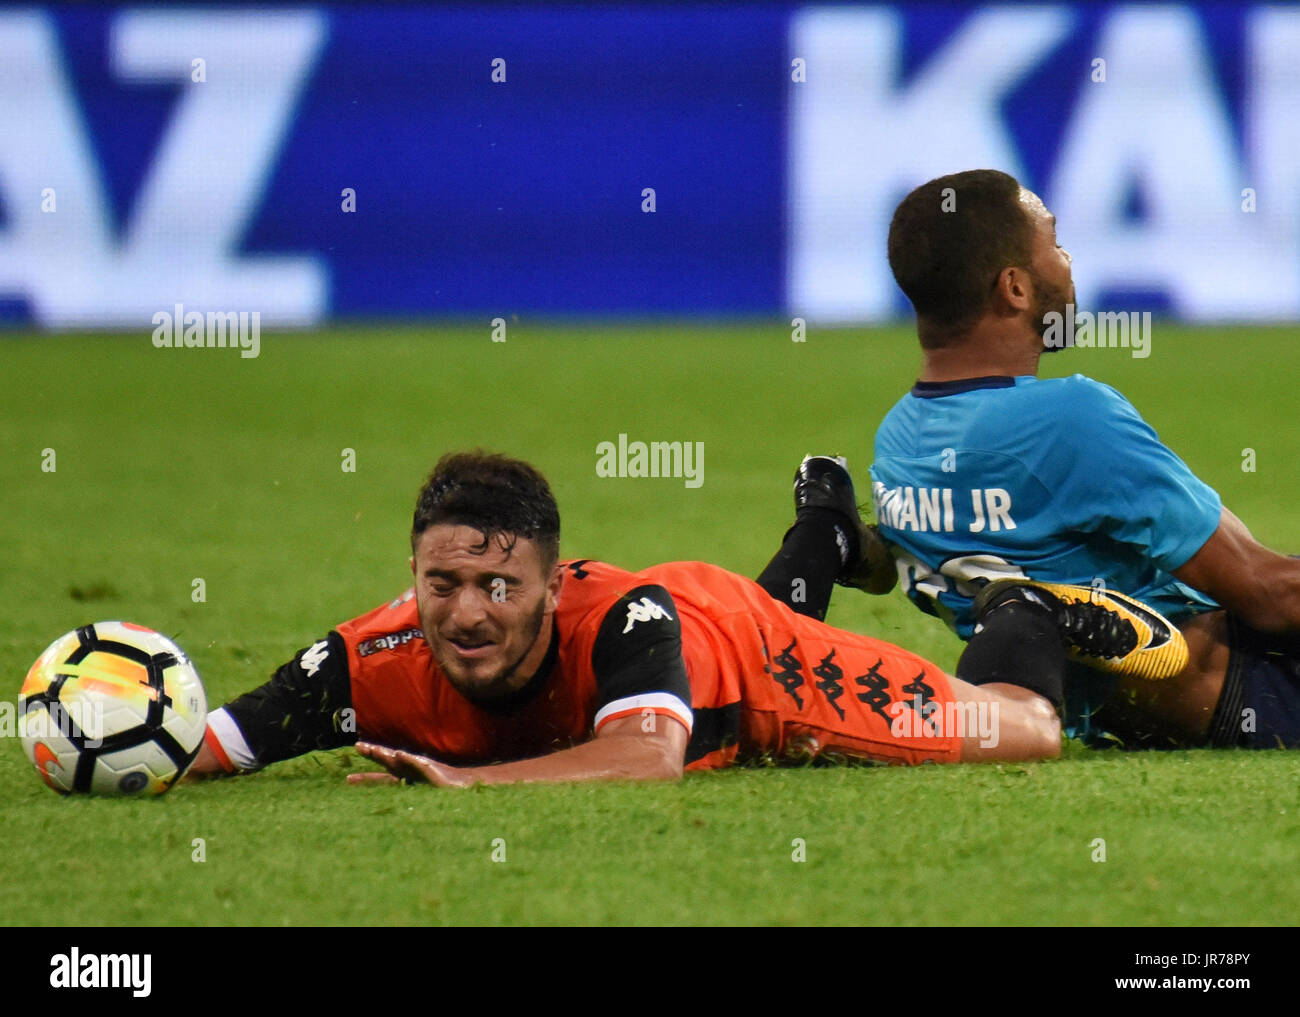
point(1045, 726)
point(1018, 644)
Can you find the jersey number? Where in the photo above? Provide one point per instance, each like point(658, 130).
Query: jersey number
point(960, 576)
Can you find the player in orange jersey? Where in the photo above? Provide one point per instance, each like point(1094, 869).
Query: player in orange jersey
point(503, 664)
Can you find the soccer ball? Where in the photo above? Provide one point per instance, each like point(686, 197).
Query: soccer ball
point(112, 709)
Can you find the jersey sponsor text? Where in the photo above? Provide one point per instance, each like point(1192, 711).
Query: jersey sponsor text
point(388, 642)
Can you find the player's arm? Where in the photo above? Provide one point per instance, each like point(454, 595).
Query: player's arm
point(1259, 586)
point(643, 719)
point(301, 709)
point(631, 748)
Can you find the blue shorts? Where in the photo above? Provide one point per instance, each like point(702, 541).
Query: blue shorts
point(1259, 707)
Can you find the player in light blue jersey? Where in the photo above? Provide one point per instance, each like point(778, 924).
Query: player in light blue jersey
point(983, 471)
point(962, 495)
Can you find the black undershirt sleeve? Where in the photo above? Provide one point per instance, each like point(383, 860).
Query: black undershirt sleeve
point(306, 705)
point(638, 649)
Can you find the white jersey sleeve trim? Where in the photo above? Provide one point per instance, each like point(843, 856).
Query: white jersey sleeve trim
point(221, 724)
point(658, 702)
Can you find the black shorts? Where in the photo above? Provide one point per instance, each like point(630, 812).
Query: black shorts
point(1259, 707)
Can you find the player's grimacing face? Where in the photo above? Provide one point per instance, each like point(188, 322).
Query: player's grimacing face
point(482, 611)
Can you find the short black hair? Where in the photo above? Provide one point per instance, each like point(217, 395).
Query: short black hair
point(946, 250)
point(502, 498)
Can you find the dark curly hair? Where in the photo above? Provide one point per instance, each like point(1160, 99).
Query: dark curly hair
point(502, 498)
point(946, 262)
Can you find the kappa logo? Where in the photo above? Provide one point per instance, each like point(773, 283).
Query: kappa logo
point(388, 642)
point(314, 656)
point(644, 609)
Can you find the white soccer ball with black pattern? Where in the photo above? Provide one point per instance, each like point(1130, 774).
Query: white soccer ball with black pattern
point(112, 709)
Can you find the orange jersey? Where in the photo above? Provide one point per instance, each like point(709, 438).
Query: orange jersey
point(761, 679)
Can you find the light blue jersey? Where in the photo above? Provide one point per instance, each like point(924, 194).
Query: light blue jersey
point(1059, 480)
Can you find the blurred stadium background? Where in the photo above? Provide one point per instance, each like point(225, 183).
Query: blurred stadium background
point(537, 228)
point(498, 156)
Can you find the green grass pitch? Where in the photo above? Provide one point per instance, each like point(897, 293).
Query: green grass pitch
point(173, 465)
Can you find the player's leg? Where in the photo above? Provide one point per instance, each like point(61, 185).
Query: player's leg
point(839, 694)
point(1102, 628)
point(1017, 660)
point(802, 573)
point(1180, 710)
point(1016, 645)
point(828, 543)
point(1021, 724)
point(1013, 670)
point(1212, 681)
point(1024, 629)
point(1233, 686)
point(1241, 688)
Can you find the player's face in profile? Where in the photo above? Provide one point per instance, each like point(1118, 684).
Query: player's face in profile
point(1049, 265)
point(483, 611)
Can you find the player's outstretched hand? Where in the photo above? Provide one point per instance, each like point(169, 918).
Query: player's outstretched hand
point(408, 766)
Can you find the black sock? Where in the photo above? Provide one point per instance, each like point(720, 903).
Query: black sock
point(802, 574)
point(1019, 644)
